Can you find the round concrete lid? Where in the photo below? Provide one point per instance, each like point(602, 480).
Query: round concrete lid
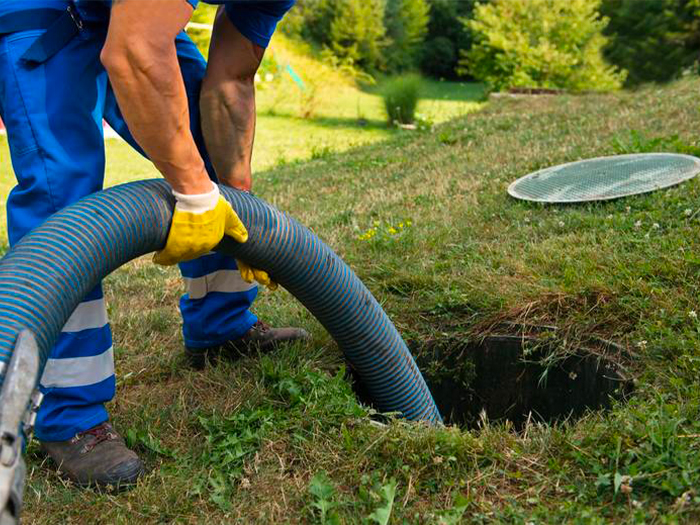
point(605, 178)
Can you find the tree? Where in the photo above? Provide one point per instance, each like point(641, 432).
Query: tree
point(357, 32)
point(655, 40)
point(540, 44)
point(406, 24)
point(352, 32)
point(446, 36)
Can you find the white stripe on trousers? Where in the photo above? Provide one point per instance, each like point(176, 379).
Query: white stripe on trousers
point(78, 371)
point(228, 281)
point(88, 314)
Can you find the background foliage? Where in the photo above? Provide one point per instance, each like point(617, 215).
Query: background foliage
point(374, 35)
point(542, 44)
point(655, 40)
point(446, 36)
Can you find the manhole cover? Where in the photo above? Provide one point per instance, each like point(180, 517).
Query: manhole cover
point(605, 178)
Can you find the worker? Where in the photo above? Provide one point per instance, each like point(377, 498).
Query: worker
point(65, 65)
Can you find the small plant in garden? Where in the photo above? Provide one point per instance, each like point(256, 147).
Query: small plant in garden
point(385, 231)
point(310, 98)
point(401, 96)
point(382, 514)
point(324, 493)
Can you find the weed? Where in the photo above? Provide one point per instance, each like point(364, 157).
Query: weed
point(323, 491)
point(230, 441)
point(382, 513)
point(321, 152)
point(447, 137)
point(309, 100)
point(454, 515)
point(141, 439)
point(380, 232)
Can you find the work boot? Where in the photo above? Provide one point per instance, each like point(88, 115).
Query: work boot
point(260, 338)
point(97, 456)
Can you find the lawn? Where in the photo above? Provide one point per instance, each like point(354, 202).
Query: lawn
point(343, 117)
point(280, 438)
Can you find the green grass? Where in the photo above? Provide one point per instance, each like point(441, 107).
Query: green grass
point(344, 117)
point(280, 439)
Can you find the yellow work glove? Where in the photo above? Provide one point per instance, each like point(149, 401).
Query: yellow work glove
point(199, 223)
point(251, 274)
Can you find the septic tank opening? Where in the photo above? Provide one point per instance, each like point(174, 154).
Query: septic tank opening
point(511, 378)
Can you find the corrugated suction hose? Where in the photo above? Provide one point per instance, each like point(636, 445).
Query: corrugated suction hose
point(46, 275)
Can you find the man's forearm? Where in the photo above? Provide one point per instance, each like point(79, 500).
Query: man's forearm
point(147, 81)
point(227, 102)
point(229, 130)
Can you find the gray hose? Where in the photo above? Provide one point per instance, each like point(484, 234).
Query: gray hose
point(46, 275)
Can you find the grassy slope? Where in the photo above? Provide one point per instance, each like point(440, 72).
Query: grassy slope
point(470, 256)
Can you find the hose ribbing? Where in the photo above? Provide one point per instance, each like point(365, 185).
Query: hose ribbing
point(46, 275)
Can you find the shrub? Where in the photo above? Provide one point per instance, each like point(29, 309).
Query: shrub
point(401, 96)
point(540, 44)
point(655, 40)
point(373, 35)
point(309, 20)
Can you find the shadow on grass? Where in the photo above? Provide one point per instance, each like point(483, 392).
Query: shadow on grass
point(455, 91)
point(444, 91)
point(334, 122)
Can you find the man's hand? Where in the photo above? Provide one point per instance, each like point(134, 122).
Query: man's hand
point(199, 223)
point(252, 274)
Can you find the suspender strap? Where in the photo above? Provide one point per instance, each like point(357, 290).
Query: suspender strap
point(61, 27)
point(28, 20)
point(62, 31)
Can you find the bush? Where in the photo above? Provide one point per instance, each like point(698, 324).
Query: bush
point(540, 44)
point(655, 40)
point(401, 96)
point(309, 20)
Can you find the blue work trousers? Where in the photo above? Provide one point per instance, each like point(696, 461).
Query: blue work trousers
point(53, 114)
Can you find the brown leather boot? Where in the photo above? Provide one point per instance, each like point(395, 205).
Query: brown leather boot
point(97, 456)
point(260, 338)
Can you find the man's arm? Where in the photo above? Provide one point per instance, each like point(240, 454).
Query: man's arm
point(141, 60)
point(228, 102)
